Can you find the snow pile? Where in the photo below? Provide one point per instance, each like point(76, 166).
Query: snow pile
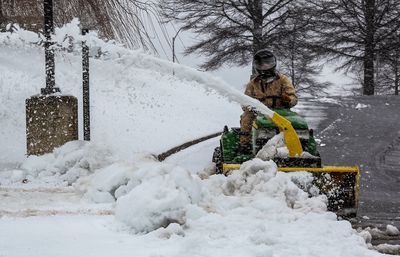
point(63, 166)
point(159, 200)
point(261, 177)
point(161, 195)
point(19, 37)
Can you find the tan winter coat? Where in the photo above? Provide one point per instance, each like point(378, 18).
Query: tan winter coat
point(281, 89)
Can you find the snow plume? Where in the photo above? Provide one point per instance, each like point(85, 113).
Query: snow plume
point(68, 37)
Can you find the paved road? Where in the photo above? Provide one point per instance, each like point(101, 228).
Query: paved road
point(370, 137)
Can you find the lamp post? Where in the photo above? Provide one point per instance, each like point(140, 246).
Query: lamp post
point(51, 119)
point(173, 44)
point(173, 47)
point(49, 51)
point(85, 87)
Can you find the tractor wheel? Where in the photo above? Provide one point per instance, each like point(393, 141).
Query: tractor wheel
point(218, 160)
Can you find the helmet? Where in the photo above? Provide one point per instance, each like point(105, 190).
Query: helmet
point(264, 65)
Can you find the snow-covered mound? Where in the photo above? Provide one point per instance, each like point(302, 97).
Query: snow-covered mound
point(137, 104)
point(256, 211)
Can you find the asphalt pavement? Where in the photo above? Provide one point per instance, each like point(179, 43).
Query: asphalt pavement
point(364, 131)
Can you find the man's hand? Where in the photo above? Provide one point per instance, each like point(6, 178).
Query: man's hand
point(286, 101)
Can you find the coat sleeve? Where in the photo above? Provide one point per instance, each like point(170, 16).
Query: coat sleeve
point(250, 92)
point(289, 96)
point(249, 89)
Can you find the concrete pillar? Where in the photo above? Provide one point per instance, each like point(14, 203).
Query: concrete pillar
point(51, 121)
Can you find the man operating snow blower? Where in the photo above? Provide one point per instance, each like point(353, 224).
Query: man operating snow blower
point(269, 87)
point(274, 120)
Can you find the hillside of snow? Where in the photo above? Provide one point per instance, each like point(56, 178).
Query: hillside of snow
point(137, 105)
point(110, 197)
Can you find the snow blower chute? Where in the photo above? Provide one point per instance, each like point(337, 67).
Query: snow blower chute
point(339, 184)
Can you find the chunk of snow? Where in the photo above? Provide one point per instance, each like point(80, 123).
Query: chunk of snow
point(366, 235)
point(360, 106)
point(392, 230)
point(276, 147)
point(388, 249)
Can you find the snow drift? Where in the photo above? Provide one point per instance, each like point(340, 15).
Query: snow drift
point(137, 104)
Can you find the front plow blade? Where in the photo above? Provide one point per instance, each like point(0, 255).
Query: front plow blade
point(341, 185)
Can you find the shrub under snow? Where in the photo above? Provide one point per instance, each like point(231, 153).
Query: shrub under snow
point(159, 200)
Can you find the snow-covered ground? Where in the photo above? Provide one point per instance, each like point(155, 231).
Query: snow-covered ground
point(110, 197)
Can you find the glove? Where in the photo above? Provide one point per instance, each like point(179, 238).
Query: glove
point(286, 101)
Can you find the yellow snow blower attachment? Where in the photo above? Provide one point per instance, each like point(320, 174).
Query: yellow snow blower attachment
point(341, 184)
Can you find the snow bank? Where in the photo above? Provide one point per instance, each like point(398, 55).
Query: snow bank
point(161, 194)
point(133, 95)
point(65, 165)
point(254, 211)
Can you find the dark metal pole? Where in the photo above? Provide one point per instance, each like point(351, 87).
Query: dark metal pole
point(49, 51)
point(173, 48)
point(86, 103)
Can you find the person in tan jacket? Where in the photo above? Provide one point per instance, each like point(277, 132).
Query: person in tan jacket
point(269, 87)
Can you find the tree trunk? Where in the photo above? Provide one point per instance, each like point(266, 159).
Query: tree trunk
point(292, 59)
point(369, 51)
point(396, 76)
point(257, 25)
point(1, 12)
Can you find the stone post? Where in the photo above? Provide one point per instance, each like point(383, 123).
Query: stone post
point(51, 121)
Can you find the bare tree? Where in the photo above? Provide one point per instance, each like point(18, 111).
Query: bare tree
point(231, 30)
point(132, 22)
point(388, 66)
point(354, 31)
point(297, 56)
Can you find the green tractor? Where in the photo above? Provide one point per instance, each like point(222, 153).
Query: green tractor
point(339, 184)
